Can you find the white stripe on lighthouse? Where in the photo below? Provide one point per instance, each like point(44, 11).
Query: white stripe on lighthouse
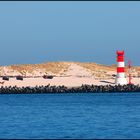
point(121, 75)
point(120, 64)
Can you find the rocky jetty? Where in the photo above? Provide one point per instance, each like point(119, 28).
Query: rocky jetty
point(63, 89)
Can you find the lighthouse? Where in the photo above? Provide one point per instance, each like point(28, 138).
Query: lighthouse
point(120, 78)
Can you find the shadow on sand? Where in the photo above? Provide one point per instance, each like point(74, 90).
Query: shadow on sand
point(107, 82)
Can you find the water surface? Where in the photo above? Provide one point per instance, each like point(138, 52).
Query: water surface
point(70, 115)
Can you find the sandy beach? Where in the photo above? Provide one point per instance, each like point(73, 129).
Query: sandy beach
point(66, 81)
point(57, 81)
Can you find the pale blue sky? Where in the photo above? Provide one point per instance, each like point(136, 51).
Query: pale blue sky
point(35, 32)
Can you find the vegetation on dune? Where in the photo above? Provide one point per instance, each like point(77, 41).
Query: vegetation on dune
point(97, 70)
point(54, 67)
point(95, 66)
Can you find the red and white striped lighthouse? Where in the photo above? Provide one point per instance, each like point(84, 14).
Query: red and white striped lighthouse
point(120, 78)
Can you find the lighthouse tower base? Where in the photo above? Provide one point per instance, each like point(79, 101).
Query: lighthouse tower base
point(121, 81)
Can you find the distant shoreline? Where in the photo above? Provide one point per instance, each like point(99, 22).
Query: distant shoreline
point(70, 75)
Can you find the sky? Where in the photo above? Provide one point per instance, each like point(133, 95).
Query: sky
point(37, 32)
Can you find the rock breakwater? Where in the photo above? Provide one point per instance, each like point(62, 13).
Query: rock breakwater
point(63, 89)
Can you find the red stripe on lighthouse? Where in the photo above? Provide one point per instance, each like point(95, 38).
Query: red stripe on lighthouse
point(120, 58)
point(120, 69)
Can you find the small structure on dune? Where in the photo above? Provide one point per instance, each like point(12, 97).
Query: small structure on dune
point(19, 77)
point(4, 71)
point(47, 76)
point(5, 78)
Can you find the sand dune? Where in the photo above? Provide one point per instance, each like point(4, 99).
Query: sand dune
point(70, 74)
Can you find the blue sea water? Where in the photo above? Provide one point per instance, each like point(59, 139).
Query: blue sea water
point(70, 115)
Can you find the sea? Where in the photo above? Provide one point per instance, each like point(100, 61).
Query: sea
point(70, 116)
